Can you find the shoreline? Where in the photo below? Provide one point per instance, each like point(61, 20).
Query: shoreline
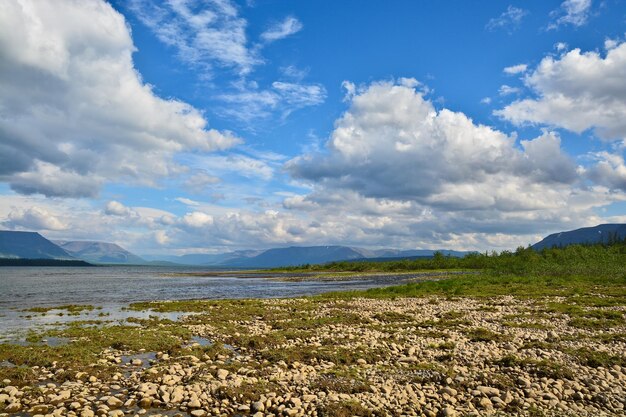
point(323, 276)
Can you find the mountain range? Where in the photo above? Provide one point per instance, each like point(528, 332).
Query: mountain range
point(604, 233)
point(31, 245)
point(99, 252)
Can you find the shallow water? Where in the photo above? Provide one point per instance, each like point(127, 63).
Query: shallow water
point(111, 288)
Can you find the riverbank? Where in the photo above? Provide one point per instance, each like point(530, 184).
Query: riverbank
point(453, 347)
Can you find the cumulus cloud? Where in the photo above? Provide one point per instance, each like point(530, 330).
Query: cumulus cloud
point(34, 218)
point(509, 20)
point(609, 170)
point(283, 29)
point(391, 133)
point(197, 220)
point(74, 113)
point(115, 208)
point(571, 12)
point(203, 33)
point(577, 91)
point(161, 237)
point(396, 163)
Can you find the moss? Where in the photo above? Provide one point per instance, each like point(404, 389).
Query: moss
point(595, 359)
point(340, 382)
point(73, 309)
point(526, 325)
point(443, 346)
point(392, 317)
point(343, 409)
point(480, 334)
point(540, 368)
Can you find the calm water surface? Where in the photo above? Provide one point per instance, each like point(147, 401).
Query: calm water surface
point(113, 287)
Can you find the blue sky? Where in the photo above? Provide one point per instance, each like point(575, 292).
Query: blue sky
point(204, 126)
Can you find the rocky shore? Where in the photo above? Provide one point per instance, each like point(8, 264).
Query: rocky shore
point(430, 356)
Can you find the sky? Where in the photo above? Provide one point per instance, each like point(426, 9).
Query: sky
point(205, 126)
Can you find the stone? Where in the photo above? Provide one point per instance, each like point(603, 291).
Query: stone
point(14, 407)
point(258, 406)
point(39, 409)
point(194, 403)
point(145, 402)
point(114, 402)
point(488, 391)
point(523, 382)
point(448, 390)
point(448, 412)
point(222, 374)
point(485, 403)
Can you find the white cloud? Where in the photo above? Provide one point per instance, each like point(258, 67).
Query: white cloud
point(283, 29)
point(509, 20)
point(197, 219)
point(200, 181)
point(34, 218)
point(506, 90)
point(115, 208)
point(609, 170)
point(560, 46)
point(515, 69)
point(294, 72)
point(486, 100)
point(187, 201)
point(161, 237)
point(393, 156)
point(571, 12)
point(577, 91)
point(75, 112)
point(204, 33)
point(283, 97)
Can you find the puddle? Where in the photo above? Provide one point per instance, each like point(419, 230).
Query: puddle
point(56, 341)
point(48, 341)
point(7, 364)
point(15, 322)
point(202, 341)
point(146, 360)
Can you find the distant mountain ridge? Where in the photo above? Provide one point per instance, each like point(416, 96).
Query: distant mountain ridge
point(295, 255)
point(603, 233)
point(99, 252)
point(29, 245)
point(204, 259)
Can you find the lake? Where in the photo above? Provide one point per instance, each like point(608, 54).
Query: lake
point(113, 287)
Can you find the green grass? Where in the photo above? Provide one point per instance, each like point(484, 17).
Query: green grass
point(71, 308)
point(85, 349)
